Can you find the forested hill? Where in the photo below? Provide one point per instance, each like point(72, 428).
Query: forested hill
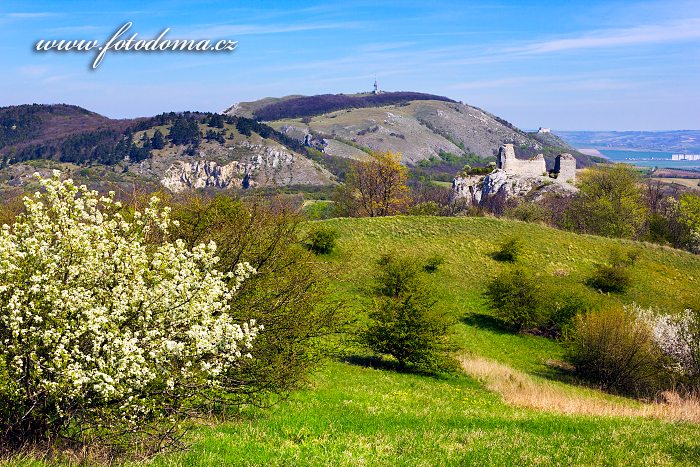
point(307, 106)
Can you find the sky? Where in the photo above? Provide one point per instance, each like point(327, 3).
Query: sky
point(567, 65)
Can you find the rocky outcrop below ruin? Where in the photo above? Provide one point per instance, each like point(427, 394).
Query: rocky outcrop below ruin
point(499, 183)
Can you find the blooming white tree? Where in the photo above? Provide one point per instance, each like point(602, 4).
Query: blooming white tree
point(107, 326)
point(677, 336)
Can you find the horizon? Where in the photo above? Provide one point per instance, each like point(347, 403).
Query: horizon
point(582, 66)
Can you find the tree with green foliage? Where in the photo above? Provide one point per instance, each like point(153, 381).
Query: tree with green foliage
point(404, 322)
point(689, 207)
point(321, 240)
point(158, 141)
point(288, 295)
point(610, 202)
point(185, 131)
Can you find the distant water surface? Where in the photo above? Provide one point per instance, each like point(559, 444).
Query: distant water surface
point(648, 159)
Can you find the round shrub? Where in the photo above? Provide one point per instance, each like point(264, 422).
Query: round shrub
point(514, 296)
point(615, 349)
point(321, 240)
point(615, 275)
point(610, 278)
point(106, 332)
point(509, 250)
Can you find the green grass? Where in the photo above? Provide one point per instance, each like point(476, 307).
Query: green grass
point(352, 414)
point(358, 415)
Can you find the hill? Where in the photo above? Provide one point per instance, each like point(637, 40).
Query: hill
point(422, 127)
point(193, 150)
point(358, 412)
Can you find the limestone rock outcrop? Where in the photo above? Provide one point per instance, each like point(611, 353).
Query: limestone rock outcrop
point(184, 175)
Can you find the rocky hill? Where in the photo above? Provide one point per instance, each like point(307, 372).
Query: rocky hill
point(176, 151)
point(420, 126)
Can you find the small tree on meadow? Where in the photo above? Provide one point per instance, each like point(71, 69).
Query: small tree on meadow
point(610, 202)
point(158, 141)
point(514, 296)
point(689, 207)
point(404, 322)
point(375, 186)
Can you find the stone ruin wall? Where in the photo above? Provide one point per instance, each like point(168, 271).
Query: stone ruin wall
point(565, 165)
point(507, 161)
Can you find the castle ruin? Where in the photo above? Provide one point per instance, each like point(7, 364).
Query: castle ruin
point(515, 177)
point(564, 165)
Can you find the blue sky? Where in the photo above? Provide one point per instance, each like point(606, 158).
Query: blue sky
point(568, 65)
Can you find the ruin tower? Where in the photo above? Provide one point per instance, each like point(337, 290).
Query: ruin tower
point(565, 166)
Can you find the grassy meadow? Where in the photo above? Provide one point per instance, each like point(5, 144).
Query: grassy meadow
point(356, 411)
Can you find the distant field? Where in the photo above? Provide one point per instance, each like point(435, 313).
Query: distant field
point(686, 182)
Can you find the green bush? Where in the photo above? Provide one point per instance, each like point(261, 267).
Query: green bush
point(563, 306)
point(615, 349)
point(396, 276)
point(319, 210)
point(427, 208)
point(528, 212)
point(509, 250)
point(321, 240)
point(515, 297)
point(615, 275)
point(403, 321)
point(289, 294)
point(433, 263)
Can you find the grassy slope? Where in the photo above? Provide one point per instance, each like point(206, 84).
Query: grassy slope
point(358, 415)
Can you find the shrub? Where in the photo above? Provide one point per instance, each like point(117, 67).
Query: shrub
point(610, 278)
point(514, 296)
point(564, 306)
point(509, 250)
point(289, 293)
point(321, 240)
point(433, 263)
point(528, 212)
point(107, 333)
point(609, 202)
point(403, 320)
point(614, 276)
point(616, 350)
point(427, 208)
point(678, 337)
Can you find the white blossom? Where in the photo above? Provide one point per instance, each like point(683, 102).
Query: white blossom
point(93, 313)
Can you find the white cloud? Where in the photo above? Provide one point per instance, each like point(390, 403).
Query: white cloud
point(234, 30)
point(33, 70)
point(676, 31)
point(30, 15)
